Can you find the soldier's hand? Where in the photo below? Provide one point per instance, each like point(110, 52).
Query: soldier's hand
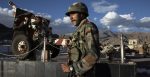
point(65, 68)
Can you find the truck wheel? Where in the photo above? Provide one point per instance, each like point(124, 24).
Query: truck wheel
point(20, 46)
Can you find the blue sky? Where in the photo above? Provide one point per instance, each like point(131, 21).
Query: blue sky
point(115, 15)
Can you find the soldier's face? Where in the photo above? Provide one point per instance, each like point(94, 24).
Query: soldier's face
point(75, 18)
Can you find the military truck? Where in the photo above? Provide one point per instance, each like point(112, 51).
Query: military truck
point(29, 31)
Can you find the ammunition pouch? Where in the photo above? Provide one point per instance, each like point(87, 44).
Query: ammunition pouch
point(74, 54)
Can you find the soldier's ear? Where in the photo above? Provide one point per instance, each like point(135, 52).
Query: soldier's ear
point(82, 15)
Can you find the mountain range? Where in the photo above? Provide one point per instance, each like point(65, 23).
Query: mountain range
point(106, 36)
point(115, 38)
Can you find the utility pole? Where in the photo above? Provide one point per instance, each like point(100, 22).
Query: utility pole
point(44, 54)
point(122, 49)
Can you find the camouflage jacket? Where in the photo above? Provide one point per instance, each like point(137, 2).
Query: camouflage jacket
point(84, 51)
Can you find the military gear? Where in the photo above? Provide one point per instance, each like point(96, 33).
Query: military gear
point(84, 51)
point(74, 54)
point(77, 7)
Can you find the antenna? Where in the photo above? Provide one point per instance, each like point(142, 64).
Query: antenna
point(13, 7)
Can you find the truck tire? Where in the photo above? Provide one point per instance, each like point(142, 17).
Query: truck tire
point(21, 46)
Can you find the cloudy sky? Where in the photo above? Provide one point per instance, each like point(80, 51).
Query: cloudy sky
point(114, 15)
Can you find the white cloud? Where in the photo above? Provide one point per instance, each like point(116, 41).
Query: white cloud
point(104, 6)
point(128, 16)
point(125, 22)
point(66, 20)
point(144, 22)
point(6, 11)
point(145, 19)
point(9, 12)
point(110, 18)
point(59, 21)
point(6, 17)
point(122, 28)
point(114, 19)
point(62, 25)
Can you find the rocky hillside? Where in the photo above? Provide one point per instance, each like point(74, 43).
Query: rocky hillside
point(5, 32)
point(109, 37)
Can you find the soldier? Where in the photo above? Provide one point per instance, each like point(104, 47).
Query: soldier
point(145, 48)
point(84, 48)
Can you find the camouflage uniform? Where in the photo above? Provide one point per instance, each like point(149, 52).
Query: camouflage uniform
point(84, 51)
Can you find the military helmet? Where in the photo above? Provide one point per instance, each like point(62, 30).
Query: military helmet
point(78, 7)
